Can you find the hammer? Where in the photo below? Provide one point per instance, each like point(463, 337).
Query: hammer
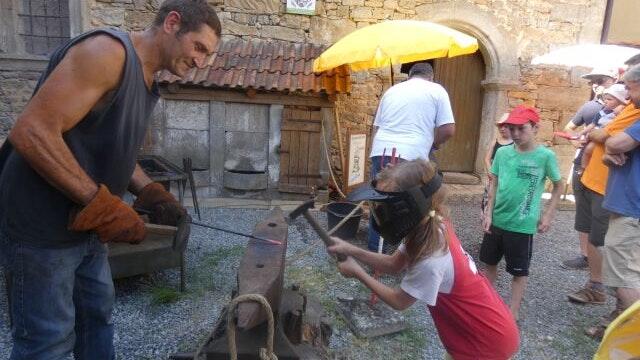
point(304, 210)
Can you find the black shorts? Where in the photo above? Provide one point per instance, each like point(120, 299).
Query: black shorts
point(591, 217)
point(514, 246)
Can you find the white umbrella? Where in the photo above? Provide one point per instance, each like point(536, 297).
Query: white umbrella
point(588, 55)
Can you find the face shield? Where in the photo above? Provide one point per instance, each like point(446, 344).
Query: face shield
point(397, 213)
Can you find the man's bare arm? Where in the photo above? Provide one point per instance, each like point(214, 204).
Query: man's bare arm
point(139, 180)
point(620, 143)
point(88, 71)
point(443, 133)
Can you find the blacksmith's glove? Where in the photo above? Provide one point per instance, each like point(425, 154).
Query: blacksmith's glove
point(110, 217)
point(163, 207)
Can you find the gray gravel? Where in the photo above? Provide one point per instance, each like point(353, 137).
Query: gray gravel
point(551, 328)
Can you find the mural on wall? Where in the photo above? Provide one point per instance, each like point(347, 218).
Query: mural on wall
point(306, 7)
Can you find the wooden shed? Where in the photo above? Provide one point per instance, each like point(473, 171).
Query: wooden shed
point(251, 119)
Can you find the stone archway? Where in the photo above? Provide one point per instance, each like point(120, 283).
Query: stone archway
point(497, 48)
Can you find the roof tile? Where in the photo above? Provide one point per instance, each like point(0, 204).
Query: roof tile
point(266, 65)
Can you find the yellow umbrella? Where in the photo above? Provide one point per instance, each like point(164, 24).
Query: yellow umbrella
point(622, 337)
point(395, 42)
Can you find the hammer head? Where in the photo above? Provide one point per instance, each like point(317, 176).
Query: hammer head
point(301, 209)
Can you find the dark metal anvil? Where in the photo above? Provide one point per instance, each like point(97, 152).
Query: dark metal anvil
point(301, 330)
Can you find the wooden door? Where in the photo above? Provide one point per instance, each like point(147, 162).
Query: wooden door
point(462, 76)
point(300, 150)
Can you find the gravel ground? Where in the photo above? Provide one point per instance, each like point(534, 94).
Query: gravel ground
point(152, 320)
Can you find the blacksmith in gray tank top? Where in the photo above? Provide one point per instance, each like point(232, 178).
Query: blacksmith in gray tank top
point(69, 159)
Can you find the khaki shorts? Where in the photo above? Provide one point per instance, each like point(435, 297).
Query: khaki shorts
point(621, 253)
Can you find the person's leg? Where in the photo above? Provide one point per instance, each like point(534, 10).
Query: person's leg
point(518, 286)
point(582, 225)
point(594, 292)
point(584, 243)
point(621, 253)
point(491, 252)
point(627, 296)
point(491, 272)
point(372, 236)
point(517, 254)
point(41, 296)
point(599, 226)
point(594, 256)
point(93, 297)
point(581, 261)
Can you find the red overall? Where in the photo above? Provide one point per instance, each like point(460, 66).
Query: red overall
point(472, 321)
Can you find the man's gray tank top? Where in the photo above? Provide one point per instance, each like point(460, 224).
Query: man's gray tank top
point(105, 143)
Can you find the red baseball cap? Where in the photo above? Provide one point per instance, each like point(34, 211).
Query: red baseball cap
point(522, 114)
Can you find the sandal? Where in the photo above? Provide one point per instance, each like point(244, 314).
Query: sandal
point(588, 295)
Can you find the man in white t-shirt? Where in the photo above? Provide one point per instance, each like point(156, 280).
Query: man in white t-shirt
point(414, 117)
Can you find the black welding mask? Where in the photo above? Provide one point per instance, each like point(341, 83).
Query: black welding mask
point(397, 213)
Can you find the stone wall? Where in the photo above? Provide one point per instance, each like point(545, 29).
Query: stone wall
point(519, 28)
point(16, 87)
point(557, 93)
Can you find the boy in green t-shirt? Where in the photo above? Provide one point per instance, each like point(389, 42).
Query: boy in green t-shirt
point(518, 174)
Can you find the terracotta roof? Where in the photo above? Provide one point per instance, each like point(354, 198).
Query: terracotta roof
point(264, 65)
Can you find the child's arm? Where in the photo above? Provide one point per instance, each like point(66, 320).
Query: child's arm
point(388, 264)
point(488, 211)
point(487, 158)
point(586, 154)
point(545, 220)
point(587, 129)
point(394, 297)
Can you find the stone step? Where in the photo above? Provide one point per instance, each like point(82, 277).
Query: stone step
point(461, 178)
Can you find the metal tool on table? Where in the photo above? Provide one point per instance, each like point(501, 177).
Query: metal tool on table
point(188, 168)
point(304, 211)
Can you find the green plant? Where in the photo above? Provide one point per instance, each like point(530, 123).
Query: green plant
point(164, 295)
point(206, 275)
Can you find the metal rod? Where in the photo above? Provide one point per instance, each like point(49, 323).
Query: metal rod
point(270, 241)
point(197, 223)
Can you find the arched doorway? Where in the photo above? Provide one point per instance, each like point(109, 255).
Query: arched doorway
point(502, 70)
point(462, 77)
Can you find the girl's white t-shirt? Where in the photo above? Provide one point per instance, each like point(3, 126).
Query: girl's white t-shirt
point(429, 276)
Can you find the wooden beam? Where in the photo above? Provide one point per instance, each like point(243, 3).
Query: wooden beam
point(190, 93)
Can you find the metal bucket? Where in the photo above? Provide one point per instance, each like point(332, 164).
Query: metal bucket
point(339, 210)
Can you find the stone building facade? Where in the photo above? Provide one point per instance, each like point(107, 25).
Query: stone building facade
point(510, 33)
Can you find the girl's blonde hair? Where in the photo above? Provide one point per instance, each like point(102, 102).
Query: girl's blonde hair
point(427, 237)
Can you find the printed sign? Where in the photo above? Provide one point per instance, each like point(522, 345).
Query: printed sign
point(356, 160)
point(305, 7)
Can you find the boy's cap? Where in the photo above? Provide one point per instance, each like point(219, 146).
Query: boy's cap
point(599, 72)
point(618, 91)
point(502, 119)
point(522, 114)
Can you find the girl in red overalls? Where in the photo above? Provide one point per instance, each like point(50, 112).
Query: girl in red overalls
point(472, 320)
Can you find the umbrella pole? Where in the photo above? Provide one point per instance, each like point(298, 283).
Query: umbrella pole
point(391, 72)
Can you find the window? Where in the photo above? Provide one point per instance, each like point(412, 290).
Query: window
point(31, 28)
point(43, 25)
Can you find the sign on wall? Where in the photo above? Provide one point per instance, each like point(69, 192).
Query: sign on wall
point(356, 159)
point(306, 7)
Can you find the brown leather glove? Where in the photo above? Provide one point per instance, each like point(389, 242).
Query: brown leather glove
point(110, 217)
point(163, 207)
